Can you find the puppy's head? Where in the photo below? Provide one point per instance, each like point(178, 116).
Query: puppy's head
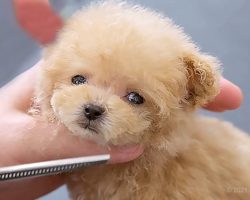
point(120, 74)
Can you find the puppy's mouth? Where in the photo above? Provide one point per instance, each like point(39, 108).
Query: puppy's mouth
point(88, 126)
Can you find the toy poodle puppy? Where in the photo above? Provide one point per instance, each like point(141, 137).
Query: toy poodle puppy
point(121, 74)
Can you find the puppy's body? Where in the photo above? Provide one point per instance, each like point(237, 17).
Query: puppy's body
point(204, 159)
point(120, 74)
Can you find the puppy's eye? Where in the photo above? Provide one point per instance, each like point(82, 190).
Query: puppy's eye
point(135, 98)
point(78, 80)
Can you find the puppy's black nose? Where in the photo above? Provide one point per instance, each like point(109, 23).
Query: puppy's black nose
point(92, 112)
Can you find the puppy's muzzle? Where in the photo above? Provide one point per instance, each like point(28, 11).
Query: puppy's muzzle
point(93, 112)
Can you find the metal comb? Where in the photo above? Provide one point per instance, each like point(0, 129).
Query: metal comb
point(50, 167)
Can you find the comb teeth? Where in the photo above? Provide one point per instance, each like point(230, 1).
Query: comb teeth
point(40, 172)
point(50, 167)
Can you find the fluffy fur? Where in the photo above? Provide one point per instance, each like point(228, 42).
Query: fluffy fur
point(122, 48)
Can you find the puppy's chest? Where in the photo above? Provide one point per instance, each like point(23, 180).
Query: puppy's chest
point(145, 178)
point(137, 179)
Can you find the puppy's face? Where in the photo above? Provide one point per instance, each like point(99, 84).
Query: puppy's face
point(108, 106)
point(114, 79)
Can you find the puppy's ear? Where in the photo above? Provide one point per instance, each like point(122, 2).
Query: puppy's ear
point(203, 79)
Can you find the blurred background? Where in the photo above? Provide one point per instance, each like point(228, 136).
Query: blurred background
point(221, 28)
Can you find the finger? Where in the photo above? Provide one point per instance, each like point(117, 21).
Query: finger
point(38, 19)
point(230, 97)
point(19, 92)
point(39, 142)
point(40, 186)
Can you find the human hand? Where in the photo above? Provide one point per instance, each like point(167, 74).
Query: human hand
point(38, 19)
point(25, 139)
